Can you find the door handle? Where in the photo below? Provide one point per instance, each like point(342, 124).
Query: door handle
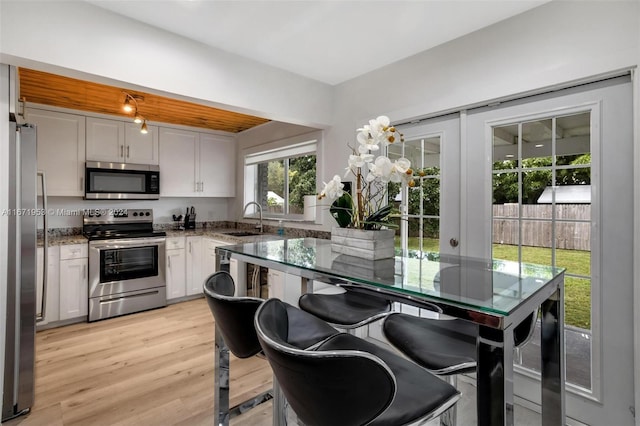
point(121, 150)
point(45, 260)
point(127, 152)
point(453, 242)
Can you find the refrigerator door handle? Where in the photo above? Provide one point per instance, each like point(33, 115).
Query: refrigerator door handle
point(45, 261)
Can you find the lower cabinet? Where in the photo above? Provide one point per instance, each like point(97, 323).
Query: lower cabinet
point(74, 281)
point(283, 286)
point(194, 265)
point(52, 302)
point(176, 267)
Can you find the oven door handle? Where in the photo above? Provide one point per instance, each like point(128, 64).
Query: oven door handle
point(126, 242)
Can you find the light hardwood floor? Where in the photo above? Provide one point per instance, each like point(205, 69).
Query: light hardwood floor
point(150, 368)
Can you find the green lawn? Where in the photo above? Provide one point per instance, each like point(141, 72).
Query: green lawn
point(577, 290)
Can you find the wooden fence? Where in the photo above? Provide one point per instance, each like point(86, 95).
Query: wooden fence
point(536, 230)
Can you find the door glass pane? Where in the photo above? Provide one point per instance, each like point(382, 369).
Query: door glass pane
point(505, 146)
point(536, 143)
point(542, 215)
point(423, 204)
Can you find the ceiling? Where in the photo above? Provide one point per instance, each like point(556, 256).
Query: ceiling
point(328, 41)
point(50, 89)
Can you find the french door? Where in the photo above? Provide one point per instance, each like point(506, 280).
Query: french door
point(548, 179)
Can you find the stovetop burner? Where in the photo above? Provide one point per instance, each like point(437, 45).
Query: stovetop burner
point(104, 224)
point(113, 234)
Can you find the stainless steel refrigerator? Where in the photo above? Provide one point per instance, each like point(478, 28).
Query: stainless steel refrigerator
point(24, 212)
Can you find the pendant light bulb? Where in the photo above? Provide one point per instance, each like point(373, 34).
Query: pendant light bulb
point(138, 118)
point(127, 106)
point(144, 129)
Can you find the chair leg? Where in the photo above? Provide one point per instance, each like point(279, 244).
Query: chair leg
point(279, 405)
point(221, 381)
point(450, 417)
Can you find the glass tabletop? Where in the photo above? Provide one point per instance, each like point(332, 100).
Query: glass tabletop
point(490, 285)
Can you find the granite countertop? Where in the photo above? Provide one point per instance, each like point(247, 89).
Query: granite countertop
point(222, 234)
point(219, 231)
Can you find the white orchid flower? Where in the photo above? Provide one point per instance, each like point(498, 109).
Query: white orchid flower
point(366, 143)
point(399, 171)
point(381, 168)
point(332, 189)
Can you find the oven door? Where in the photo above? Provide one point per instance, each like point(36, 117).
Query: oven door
point(125, 265)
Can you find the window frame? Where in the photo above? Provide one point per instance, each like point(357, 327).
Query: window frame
point(284, 149)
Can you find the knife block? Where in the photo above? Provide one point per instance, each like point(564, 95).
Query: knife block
point(190, 221)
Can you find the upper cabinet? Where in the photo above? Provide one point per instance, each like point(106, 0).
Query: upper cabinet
point(61, 150)
point(120, 142)
point(194, 164)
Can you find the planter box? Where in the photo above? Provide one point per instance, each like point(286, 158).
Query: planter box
point(358, 267)
point(372, 245)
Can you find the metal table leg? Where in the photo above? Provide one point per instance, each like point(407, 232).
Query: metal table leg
point(221, 381)
point(553, 366)
point(495, 377)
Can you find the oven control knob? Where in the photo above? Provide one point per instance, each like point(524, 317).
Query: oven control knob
point(98, 214)
point(135, 213)
point(147, 214)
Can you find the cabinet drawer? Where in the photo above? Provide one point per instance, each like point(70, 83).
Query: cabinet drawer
point(175, 243)
point(74, 251)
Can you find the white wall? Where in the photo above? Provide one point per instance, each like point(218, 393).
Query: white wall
point(556, 43)
point(78, 39)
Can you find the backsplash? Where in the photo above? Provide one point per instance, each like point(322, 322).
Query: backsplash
point(67, 211)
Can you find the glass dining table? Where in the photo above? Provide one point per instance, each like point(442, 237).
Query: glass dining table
point(495, 294)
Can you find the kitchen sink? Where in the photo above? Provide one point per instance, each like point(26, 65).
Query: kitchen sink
point(241, 234)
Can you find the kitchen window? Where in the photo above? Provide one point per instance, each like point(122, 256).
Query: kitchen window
point(279, 178)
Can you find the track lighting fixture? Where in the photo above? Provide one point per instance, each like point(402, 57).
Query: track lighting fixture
point(131, 105)
point(127, 106)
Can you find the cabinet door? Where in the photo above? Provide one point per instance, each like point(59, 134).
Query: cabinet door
point(276, 280)
point(141, 148)
point(217, 166)
point(209, 256)
point(74, 290)
point(194, 265)
point(178, 149)
point(61, 150)
point(52, 308)
point(105, 140)
point(176, 273)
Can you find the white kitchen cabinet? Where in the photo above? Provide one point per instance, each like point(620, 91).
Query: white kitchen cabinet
point(194, 164)
point(283, 286)
point(74, 281)
point(52, 308)
point(194, 265)
point(209, 256)
point(61, 150)
point(217, 161)
point(176, 267)
point(119, 142)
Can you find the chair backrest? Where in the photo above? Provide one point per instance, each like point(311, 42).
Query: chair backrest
point(323, 387)
point(233, 315)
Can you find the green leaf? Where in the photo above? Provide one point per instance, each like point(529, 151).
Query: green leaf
point(342, 211)
point(378, 218)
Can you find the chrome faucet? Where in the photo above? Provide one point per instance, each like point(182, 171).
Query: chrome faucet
point(259, 210)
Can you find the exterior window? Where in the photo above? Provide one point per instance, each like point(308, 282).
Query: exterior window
point(278, 180)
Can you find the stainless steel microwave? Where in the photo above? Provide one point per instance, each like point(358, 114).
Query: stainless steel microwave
point(109, 181)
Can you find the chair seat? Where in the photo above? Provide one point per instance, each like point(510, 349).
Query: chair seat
point(418, 392)
point(348, 309)
point(441, 346)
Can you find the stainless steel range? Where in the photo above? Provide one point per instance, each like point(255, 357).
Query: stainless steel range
point(126, 262)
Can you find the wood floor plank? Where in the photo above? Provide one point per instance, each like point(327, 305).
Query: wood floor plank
point(150, 368)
